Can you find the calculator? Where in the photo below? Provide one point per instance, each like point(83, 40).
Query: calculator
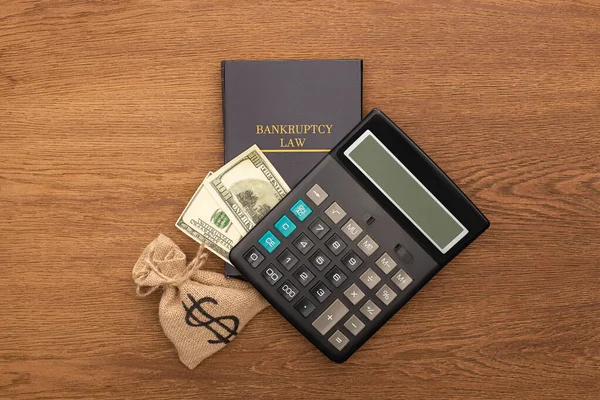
point(358, 237)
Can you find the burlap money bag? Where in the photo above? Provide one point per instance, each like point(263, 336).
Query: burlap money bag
point(200, 311)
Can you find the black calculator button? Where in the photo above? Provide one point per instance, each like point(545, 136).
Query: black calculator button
point(351, 261)
point(303, 275)
point(338, 340)
point(317, 194)
point(272, 274)
point(320, 292)
point(305, 307)
point(335, 212)
point(370, 278)
point(319, 228)
point(254, 257)
point(336, 277)
point(303, 244)
point(352, 229)
point(403, 254)
point(288, 291)
point(287, 259)
point(335, 244)
point(319, 260)
point(368, 245)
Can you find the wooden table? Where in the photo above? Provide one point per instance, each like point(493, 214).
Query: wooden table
point(110, 116)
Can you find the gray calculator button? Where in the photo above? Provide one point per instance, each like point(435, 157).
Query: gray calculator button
point(334, 313)
point(351, 261)
point(368, 245)
point(335, 212)
point(385, 263)
point(402, 280)
point(339, 340)
point(354, 294)
point(370, 310)
point(317, 194)
point(354, 325)
point(370, 278)
point(386, 295)
point(352, 229)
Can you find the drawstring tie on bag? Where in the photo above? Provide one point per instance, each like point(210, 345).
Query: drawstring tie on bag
point(176, 280)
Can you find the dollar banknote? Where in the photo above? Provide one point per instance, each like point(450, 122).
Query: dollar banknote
point(205, 221)
point(231, 201)
point(247, 188)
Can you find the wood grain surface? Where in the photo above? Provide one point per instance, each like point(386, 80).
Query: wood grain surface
point(110, 117)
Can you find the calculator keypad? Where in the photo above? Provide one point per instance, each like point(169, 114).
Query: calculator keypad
point(330, 266)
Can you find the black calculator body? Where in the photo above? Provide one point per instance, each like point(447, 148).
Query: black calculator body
point(360, 235)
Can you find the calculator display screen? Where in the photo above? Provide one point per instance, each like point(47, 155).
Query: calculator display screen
point(405, 191)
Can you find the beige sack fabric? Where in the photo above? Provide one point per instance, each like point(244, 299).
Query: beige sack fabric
point(200, 311)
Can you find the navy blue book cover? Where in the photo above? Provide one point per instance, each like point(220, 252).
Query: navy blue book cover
point(294, 110)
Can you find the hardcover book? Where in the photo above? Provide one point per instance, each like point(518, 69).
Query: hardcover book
point(294, 110)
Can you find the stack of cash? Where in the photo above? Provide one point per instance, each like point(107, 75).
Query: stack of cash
point(231, 201)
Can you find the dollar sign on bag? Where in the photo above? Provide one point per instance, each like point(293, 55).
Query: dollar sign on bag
point(192, 320)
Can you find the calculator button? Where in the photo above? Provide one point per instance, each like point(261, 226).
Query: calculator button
point(386, 295)
point(354, 294)
point(303, 244)
point(317, 194)
point(368, 245)
point(287, 259)
point(385, 263)
point(354, 325)
point(304, 275)
point(272, 274)
point(351, 261)
point(269, 241)
point(403, 254)
point(319, 260)
point(336, 277)
point(321, 292)
point(401, 279)
point(301, 210)
point(338, 340)
point(305, 307)
point(335, 212)
point(351, 229)
point(319, 228)
point(285, 226)
point(335, 244)
point(327, 320)
point(254, 257)
point(370, 310)
point(370, 278)
point(288, 291)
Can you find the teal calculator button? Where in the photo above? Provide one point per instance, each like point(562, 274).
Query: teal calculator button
point(301, 210)
point(269, 241)
point(285, 226)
